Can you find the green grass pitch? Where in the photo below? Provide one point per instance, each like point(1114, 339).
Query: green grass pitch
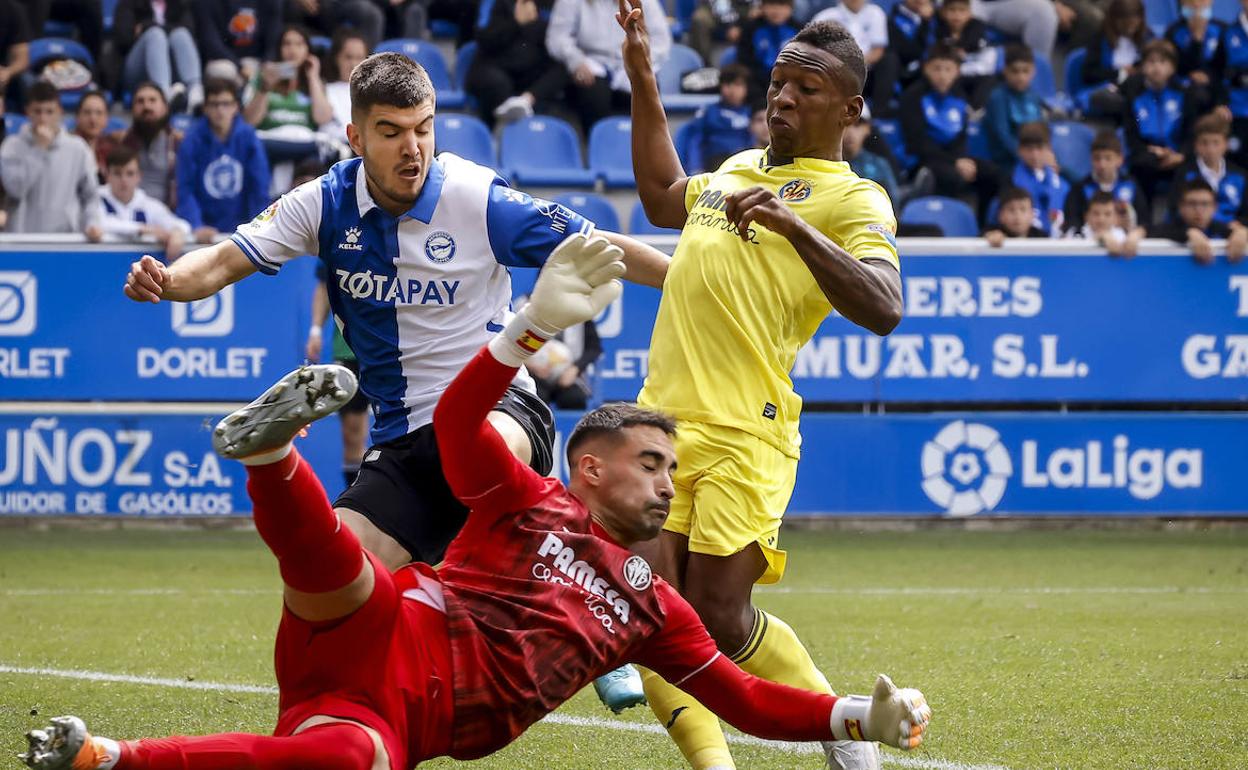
point(1037, 649)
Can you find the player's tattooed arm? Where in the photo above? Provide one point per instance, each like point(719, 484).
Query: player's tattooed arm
point(201, 273)
point(660, 177)
point(866, 291)
point(643, 264)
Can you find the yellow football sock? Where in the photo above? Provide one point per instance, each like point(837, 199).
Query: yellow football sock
point(774, 652)
point(693, 727)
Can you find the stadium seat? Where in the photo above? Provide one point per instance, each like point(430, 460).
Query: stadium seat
point(593, 207)
point(117, 123)
point(1076, 89)
point(684, 147)
point(683, 59)
point(638, 224)
point(1044, 85)
point(428, 56)
point(1226, 10)
point(45, 49)
point(890, 131)
point(182, 122)
point(887, 5)
point(13, 123)
point(109, 8)
point(320, 44)
point(1161, 13)
point(466, 136)
point(610, 151)
point(443, 29)
point(463, 62)
point(954, 218)
point(543, 150)
point(1072, 144)
point(729, 56)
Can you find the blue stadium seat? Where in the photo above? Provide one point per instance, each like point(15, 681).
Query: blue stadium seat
point(1161, 13)
point(46, 49)
point(428, 56)
point(639, 225)
point(684, 147)
point(13, 123)
point(683, 59)
point(729, 56)
point(117, 123)
point(1076, 89)
point(543, 150)
point(182, 122)
point(593, 207)
point(890, 131)
point(466, 136)
point(463, 62)
point(887, 5)
point(443, 29)
point(1226, 10)
point(610, 151)
point(954, 218)
point(1072, 144)
point(1044, 85)
point(977, 141)
point(109, 7)
point(320, 44)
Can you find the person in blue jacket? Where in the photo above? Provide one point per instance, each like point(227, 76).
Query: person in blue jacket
point(223, 173)
point(1157, 118)
point(722, 129)
point(1011, 104)
point(763, 37)
point(1037, 173)
point(1231, 63)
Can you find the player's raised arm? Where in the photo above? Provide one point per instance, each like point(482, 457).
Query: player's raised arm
point(577, 283)
point(660, 178)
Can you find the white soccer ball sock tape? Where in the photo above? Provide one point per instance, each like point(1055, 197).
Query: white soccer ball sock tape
point(579, 280)
point(896, 717)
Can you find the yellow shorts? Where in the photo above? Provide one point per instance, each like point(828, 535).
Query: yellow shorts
point(732, 489)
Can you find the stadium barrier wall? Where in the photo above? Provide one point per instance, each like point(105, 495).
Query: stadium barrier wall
point(1045, 322)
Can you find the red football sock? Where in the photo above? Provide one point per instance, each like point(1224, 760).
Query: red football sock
point(327, 747)
point(314, 550)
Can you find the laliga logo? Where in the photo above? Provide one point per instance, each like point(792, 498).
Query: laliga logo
point(18, 302)
point(209, 317)
point(965, 468)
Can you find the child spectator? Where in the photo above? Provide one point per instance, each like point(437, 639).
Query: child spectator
point(1197, 37)
point(48, 173)
point(512, 75)
point(1232, 63)
point(1107, 176)
point(865, 163)
point(1227, 180)
point(1036, 172)
point(868, 23)
point(1109, 64)
point(1012, 104)
point(1016, 218)
point(1196, 225)
point(1101, 227)
point(763, 37)
point(909, 30)
point(90, 120)
point(933, 125)
point(223, 174)
point(1157, 114)
point(722, 129)
point(130, 213)
point(968, 37)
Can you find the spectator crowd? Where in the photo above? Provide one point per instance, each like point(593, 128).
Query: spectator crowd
point(175, 120)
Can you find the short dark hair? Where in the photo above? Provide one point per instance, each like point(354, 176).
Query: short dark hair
point(92, 94)
point(1195, 185)
point(1010, 194)
point(214, 86)
point(610, 419)
point(948, 3)
point(391, 79)
point(1017, 52)
point(1211, 124)
point(1033, 134)
point(1160, 47)
point(1100, 198)
point(944, 51)
point(120, 156)
point(1107, 141)
point(836, 40)
point(734, 73)
point(42, 91)
point(152, 85)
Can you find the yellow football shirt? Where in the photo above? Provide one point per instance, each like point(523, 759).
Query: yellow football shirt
point(734, 313)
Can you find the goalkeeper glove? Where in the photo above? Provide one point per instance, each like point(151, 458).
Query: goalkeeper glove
point(896, 717)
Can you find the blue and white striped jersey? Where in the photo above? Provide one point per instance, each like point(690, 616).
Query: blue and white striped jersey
point(416, 296)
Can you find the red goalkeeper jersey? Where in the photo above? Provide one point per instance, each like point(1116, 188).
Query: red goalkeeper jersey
point(540, 600)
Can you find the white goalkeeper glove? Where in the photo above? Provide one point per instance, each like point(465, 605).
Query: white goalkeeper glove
point(896, 717)
point(579, 280)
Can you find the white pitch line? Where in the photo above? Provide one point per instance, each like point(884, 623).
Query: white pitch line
point(913, 763)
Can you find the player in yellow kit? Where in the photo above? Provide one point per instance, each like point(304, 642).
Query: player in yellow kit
point(771, 242)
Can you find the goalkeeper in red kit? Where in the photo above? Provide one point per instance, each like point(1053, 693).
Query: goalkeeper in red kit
point(538, 594)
